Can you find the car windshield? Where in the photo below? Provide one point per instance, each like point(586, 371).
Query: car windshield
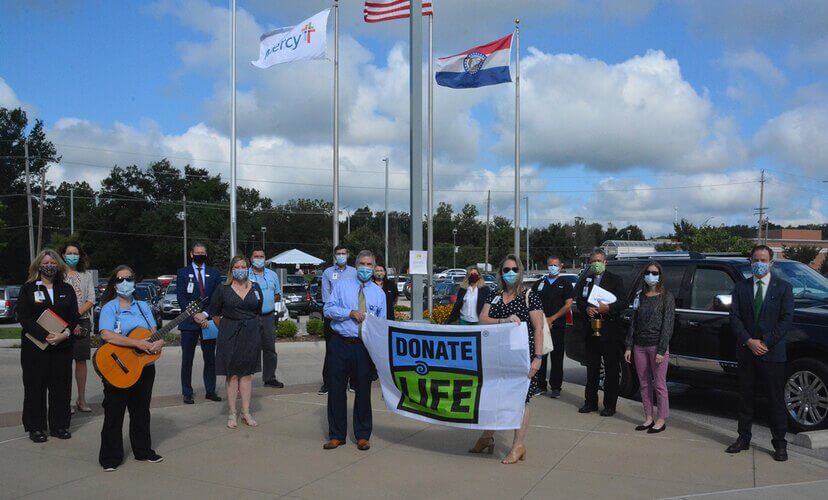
point(295, 279)
point(807, 284)
point(170, 290)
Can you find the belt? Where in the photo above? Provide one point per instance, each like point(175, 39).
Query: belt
point(267, 314)
point(350, 340)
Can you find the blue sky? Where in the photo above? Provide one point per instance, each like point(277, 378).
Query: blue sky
point(626, 104)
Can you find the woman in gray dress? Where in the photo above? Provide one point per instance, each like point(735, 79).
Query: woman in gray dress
point(235, 310)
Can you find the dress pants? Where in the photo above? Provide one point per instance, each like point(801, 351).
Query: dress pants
point(189, 339)
point(555, 362)
point(753, 370)
point(348, 360)
point(47, 376)
point(269, 356)
point(596, 349)
point(116, 401)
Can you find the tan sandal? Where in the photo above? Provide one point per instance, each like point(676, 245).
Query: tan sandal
point(518, 453)
point(248, 419)
point(231, 421)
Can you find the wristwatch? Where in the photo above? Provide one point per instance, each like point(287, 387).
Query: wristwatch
point(538, 356)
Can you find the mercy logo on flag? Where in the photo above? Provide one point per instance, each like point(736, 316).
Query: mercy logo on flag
point(477, 67)
point(387, 10)
point(306, 40)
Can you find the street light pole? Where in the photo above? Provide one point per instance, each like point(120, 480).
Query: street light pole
point(574, 248)
point(264, 230)
point(387, 258)
point(454, 250)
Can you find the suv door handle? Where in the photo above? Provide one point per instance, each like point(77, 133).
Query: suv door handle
point(692, 323)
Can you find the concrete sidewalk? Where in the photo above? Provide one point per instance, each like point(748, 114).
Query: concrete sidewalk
point(569, 456)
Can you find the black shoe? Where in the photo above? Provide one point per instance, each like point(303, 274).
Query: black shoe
point(555, 393)
point(188, 400)
point(607, 412)
point(653, 430)
point(737, 447)
point(61, 434)
point(274, 383)
point(539, 391)
point(587, 409)
point(153, 459)
point(323, 390)
point(780, 455)
point(38, 436)
point(644, 427)
point(213, 397)
point(110, 468)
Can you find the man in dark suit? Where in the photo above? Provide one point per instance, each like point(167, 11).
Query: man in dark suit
point(761, 315)
point(608, 345)
point(198, 280)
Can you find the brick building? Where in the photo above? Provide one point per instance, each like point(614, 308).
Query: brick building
point(777, 238)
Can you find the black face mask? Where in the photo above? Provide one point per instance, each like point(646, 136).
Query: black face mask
point(199, 259)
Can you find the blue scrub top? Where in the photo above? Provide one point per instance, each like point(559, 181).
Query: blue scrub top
point(112, 314)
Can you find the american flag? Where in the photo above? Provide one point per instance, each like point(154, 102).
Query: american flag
point(387, 10)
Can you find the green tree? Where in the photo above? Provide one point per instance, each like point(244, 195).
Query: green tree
point(805, 253)
point(715, 239)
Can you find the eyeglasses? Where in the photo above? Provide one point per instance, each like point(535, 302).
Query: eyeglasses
point(653, 273)
point(121, 280)
point(507, 269)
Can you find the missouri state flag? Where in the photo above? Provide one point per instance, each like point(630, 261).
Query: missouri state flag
point(477, 67)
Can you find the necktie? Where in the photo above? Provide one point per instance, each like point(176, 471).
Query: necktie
point(200, 282)
point(757, 303)
point(361, 306)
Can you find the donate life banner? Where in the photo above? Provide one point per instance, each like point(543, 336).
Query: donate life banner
point(474, 377)
point(306, 40)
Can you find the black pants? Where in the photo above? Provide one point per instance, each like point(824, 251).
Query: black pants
point(270, 358)
point(555, 363)
point(116, 401)
point(47, 376)
point(347, 360)
point(189, 339)
point(598, 348)
point(328, 332)
point(753, 370)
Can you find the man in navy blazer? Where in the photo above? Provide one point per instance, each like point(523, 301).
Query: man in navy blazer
point(198, 280)
point(760, 316)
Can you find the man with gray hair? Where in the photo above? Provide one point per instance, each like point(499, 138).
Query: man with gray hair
point(350, 302)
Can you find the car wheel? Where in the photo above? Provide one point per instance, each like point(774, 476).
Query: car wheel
point(628, 380)
point(806, 394)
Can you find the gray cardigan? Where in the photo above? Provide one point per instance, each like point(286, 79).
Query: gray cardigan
point(652, 322)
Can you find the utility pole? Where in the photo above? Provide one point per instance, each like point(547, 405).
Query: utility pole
point(488, 212)
point(761, 209)
point(72, 210)
point(29, 203)
point(40, 208)
point(183, 217)
point(454, 249)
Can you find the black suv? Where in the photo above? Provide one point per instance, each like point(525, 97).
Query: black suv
point(703, 348)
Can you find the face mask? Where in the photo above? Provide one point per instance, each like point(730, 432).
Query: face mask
point(125, 288)
point(341, 260)
point(240, 274)
point(598, 267)
point(48, 270)
point(258, 263)
point(71, 260)
point(510, 277)
point(651, 279)
point(474, 278)
point(760, 268)
point(554, 270)
point(199, 260)
point(364, 273)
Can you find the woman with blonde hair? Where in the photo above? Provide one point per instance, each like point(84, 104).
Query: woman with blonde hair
point(46, 356)
point(515, 304)
point(235, 310)
point(471, 296)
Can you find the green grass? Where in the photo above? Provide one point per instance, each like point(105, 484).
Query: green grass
point(10, 333)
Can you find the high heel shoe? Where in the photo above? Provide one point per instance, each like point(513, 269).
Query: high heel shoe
point(83, 409)
point(248, 419)
point(518, 453)
point(483, 444)
point(232, 423)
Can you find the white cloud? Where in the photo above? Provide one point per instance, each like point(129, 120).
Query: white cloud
point(798, 136)
point(640, 112)
point(755, 63)
point(8, 98)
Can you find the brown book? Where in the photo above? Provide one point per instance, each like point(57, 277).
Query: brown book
point(50, 322)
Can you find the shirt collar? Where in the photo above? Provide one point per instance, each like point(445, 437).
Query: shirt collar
point(195, 267)
point(551, 279)
point(765, 280)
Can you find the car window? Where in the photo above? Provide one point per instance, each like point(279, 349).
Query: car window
point(673, 276)
point(807, 284)
point(707, 283)
point(625, 270)
point(142, 293)
point(171, 289)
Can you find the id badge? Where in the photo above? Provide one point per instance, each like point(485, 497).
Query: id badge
point(496, 300)
point(540, 287)
point(334, 276)
point(118, 327)
point(190, 287)
point(39, 296)
point(635, 303)
point(585, 293)
point(257, 295)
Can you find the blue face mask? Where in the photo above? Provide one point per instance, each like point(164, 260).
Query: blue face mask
point(759, 269)
point(125, 288)
point(554, 270)
point(71, 260)
point(258, 263)
point(240, 274)
point(651, 279)
point(365, 273)
point(510, 277)
point(341, 260)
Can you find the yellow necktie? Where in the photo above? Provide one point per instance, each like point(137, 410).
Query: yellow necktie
point(361, 306)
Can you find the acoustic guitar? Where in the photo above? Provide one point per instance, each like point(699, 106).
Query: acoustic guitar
point(122, 366)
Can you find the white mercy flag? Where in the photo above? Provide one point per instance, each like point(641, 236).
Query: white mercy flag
point(387, 10)
point(306, 40)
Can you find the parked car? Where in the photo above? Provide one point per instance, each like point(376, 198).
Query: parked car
point(169, 303)
point(401, 281)
point(153, 283)
point(297, 298)
point(295, 279)
point(166, 280)
point(8, 303)
point(703, 347)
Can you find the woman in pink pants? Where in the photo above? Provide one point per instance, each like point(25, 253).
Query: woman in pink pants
point(648, 341)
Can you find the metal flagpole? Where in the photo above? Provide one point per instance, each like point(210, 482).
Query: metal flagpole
point(527, 232)
point(430, 163)
point(387, 257)
point(184, 220)
point(233, 246)
point(336, 127)
point(416, 145)
point(517, 139)
point(29, 202)
point(488, 211)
